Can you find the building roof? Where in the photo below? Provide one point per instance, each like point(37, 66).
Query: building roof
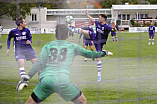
point(134, 7)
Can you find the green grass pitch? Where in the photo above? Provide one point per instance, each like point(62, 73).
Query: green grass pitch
point(128, 77)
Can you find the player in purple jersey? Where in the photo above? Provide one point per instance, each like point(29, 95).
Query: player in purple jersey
point(22, 45)
point(71, 34)
point(113, 33)
point(151, 32)
point(87, 41)
point(99, 38)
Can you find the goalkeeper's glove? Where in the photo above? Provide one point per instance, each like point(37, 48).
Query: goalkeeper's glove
point(107, 52)
point(23, 83)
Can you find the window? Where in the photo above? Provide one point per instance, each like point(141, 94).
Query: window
point(141, 16)
point(128, 16)
point(119, 16)
point(146, 15)
point(123, 17)
point(34, 17)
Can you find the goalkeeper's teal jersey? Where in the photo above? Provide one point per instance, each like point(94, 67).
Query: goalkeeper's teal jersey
point(56, 59)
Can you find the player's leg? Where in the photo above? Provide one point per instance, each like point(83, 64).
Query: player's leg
point(91, 45)
point(91, 48)
point(81, 100)
point(73, 36)
point(21, 67)
point(85, 46)
point(43, 90)
point(99, 64)
point(149, 39)
point(30, 101)
point(112, 36)
point(115, 35)
point(33, 60)
point(69, 36)
point(152, 39)
point(88, 34)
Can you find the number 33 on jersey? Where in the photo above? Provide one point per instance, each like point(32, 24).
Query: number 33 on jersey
point(57, 55)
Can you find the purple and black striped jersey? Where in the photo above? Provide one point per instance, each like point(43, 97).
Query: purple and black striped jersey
point(20, 38)
point(102, 32)
point(84, 28)
point(151, 30)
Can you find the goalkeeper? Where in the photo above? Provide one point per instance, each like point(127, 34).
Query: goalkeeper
point(55, 60)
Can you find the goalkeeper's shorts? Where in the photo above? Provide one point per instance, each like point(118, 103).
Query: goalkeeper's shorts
point(49, 85)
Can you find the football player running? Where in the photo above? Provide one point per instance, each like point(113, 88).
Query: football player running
point(22, 45)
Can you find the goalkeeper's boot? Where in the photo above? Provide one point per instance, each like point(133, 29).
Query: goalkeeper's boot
point(99, 78)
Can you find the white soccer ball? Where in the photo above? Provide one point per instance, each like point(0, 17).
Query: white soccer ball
point(69, 19)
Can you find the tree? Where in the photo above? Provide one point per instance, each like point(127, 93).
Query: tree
point(16, 8)
point(76, 4)
point(96, 4)
point(10, 9)
point(108, 3)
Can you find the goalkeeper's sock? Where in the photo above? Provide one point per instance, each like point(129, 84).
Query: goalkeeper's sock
point(22, 72)
point(99, 65)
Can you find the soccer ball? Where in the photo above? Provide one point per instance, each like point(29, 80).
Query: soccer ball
point(69, 19)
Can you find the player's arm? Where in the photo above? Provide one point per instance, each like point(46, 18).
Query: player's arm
point(90, 54)
point(8, 42)
point(39, 63)
point(148, 29)
point(114, 29)
point(154, 30)
point(29, 36)
point(91, 18)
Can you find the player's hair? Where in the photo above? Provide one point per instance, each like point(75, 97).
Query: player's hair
point(104, 15)
point(61, 32)
point(19, 20)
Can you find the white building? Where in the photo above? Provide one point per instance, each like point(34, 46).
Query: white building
point(44, 20)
